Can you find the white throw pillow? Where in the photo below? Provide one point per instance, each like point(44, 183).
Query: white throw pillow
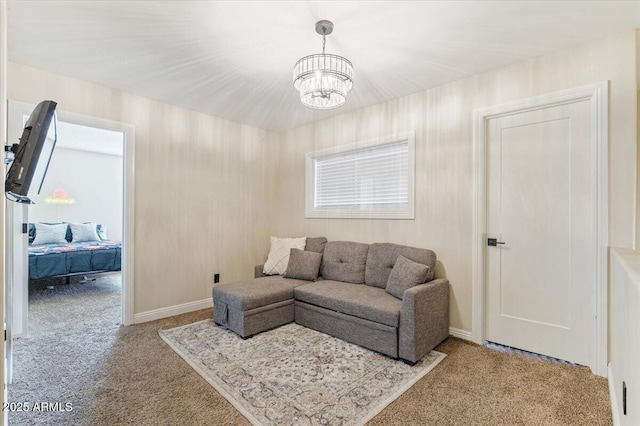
point(279, 253)
point(83, 232)
point(50, 234)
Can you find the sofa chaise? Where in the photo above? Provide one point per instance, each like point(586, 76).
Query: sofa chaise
point(350, 300)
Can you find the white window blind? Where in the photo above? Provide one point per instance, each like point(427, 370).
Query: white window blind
point(373, 181)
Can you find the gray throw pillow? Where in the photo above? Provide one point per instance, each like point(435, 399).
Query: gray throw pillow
point(404, 275)
point(316, 244)
point(303, 265)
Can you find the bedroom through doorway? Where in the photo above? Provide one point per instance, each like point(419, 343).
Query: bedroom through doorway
point(70, 274)
point(76, 268)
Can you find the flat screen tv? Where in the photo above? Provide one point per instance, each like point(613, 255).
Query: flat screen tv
point(32, 154)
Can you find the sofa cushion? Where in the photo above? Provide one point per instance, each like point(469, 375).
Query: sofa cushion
point(344, 261)
point(256, 292)
point(382, 258)
point(316, 244)
point(303, 265)
point(404, 275)
point(279, 252)
point(366, 302)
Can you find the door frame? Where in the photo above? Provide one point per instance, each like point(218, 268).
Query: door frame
point(15, 216)
point(18, 109)
point(598, 96)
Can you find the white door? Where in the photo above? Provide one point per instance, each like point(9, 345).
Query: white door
point(541, 202)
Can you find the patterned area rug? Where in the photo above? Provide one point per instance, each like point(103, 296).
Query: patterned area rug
point(294, 375)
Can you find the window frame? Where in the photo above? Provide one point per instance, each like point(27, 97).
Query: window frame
point(406, 212)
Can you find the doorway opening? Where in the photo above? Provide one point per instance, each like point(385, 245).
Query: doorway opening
point(83, 196)
point(88, 191)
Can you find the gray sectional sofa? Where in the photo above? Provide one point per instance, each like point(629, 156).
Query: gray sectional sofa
point(351, 300)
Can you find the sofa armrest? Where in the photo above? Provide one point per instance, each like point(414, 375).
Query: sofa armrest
point(257, 271)
point(424, 319)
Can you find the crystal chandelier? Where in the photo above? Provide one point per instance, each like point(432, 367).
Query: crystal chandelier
point(323, 80)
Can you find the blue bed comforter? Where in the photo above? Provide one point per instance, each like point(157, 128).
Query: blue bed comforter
point(51, 260)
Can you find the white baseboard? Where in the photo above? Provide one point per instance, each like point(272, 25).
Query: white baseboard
point(171, 311)
point(612, 395)
point(461, 334)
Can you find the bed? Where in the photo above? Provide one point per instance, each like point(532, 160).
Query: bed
point(63, 256)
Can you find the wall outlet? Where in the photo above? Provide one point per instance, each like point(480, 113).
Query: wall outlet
point(216, 278)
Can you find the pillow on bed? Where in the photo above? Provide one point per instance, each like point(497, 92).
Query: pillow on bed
point(102, 231)
point(83, 232)
point(32, 233)
point(50, 234)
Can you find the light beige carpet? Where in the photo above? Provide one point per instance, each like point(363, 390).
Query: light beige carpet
point(117, 375)
point(293, 375)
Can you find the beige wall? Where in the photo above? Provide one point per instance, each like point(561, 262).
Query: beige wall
point(201, 187)
point(209, 192)
point(442, 119)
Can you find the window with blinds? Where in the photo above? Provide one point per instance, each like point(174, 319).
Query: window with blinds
point(366, 180)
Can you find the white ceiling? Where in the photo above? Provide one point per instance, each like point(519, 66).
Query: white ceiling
point(234, 59)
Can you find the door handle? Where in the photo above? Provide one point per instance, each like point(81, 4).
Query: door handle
point(493, 242)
